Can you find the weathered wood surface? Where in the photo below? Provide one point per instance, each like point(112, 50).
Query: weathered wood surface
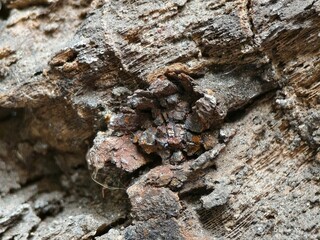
point(200, 119)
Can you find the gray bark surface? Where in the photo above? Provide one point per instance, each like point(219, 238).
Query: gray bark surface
point(182, 119)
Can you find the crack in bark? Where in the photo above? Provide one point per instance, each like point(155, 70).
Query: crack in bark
point(249, 6)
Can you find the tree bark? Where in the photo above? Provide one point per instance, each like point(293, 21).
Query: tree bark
point(176, 119)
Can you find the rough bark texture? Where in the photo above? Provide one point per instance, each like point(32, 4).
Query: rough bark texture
point(197, 119)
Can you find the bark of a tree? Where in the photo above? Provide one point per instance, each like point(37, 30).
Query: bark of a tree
point(178, 119)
